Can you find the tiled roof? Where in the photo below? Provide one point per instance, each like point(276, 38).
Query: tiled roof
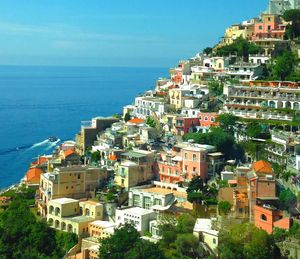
point(33, 175)
point(262, 167)
point(69, 152)
point(136, 121)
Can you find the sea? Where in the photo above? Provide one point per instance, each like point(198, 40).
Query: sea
point(39, 102)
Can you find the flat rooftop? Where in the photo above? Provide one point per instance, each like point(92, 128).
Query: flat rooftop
point(164, 191)
point(64, 200)
point(136, 211)
point(103, 224)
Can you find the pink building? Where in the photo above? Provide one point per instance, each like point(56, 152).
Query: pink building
point(186, 125)
point(270, 26)
point(185, 162)
point(208, 119)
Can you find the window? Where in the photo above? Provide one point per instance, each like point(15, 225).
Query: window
point(78, 176)
point(206, 118)
point(260, 27)
point(157, 202)
point(147, 202)
point(269, 27)
point(214, 241)
point(185, 168)
point(194, 169)
point(194, 157)
point(185, 155)
point(136, 200)
point(212, 119)
point(263, 217)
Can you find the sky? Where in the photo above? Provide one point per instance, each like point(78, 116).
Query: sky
point(145, 33)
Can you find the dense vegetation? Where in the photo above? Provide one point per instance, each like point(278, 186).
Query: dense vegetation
point(126, 243)
point(245, 241)
point(240, 47)
point(23, 236)
point(178, 241)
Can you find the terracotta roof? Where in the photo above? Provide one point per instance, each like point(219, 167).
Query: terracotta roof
point(112, 157)
point(69, 152)
point(262, 167)
point(136, 121)
point(33, 175)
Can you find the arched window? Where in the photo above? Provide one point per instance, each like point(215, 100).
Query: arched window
point(263, 217)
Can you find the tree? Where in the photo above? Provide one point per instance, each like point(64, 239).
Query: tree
point(207, 50)
point(121, 242)
point(227, 121)
point(224, 207)
point(253, 129)
point(246, 241)
point(292, 16)
point(185, 223)
point(215, 88)
point(151, 122)
point(187, 246)
point(287, 199)
point(241, 47)
point(127, 117)
point(144, 249)
point(284, 66)
point(200, 193)
point(22, 236)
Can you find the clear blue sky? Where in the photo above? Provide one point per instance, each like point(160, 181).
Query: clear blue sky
point(114, 32)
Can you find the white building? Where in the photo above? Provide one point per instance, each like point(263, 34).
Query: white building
point(203, 229)
point(245, 71)
point(147, 106)
point(280, 6)
point(137, 216)
point(259, 59)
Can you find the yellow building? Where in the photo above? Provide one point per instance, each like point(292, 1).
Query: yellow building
point(176, 97)
point(65, 214)
point(71, 182)
point(137, 167)
point(232, 33)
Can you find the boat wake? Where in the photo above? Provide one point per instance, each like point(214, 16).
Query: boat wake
point(45, 143)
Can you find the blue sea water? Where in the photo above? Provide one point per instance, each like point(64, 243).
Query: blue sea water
point(38, 102)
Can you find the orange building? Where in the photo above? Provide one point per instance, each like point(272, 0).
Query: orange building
point(270, 26)
point(267, 216)
point(33, 176)
point(208, 119)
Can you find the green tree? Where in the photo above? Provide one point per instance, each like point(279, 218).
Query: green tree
point(127, 117)
point(247, 241)
point(241, 47)
point(151, 122)
point(283, 66)
point(227, 121)
point(292, 16)
point(215, 88)
point(96, 156)
point(185, 223)
point(287, 199)
point(144, 249)
point(224, 207)
point(207, 50)
point(254, 129)
point(121, 242)
point(200, 193)
point(187, 246)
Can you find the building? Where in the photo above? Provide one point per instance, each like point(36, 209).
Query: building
point(272, 46)
point(33, 176)
point(261, 183)
point(205, 231)
point(185, 125)
point(263, 100)
point(207, 120)
point(89, 131)
point(280, 6)
point(259, 58)
point(136, 167)
point(267, 216)
point(101, 229)
point(138, 216)
point(232, 33)
point(184, 162)
point(68, 215)
point(244, 71)
point(269, 26)
point(70, 182)
point(150, 106)
point(153, 196)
